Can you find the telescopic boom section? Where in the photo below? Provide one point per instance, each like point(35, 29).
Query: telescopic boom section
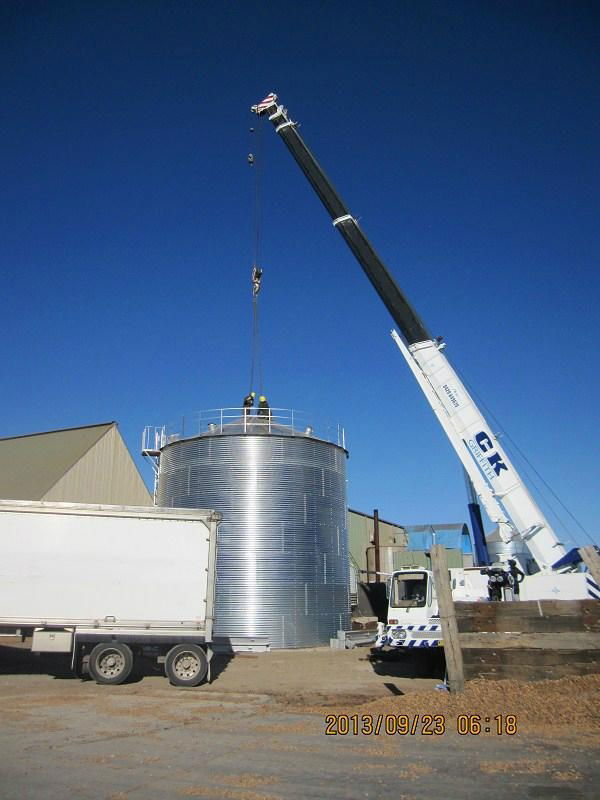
point(496, 481)
point(393, 298)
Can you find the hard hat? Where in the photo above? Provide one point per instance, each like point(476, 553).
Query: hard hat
point(252, 394)
point(262, 398)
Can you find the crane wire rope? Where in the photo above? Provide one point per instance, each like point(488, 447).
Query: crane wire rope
point(255, 162)
point(528, 468)
point(529, 464)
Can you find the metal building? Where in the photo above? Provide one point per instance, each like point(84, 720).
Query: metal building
point(365, 533)
point(282, 562)
point(89, 464)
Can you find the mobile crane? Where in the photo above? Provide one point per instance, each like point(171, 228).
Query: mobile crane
point(495, 480)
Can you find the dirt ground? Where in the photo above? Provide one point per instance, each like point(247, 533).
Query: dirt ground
point(292, 724)
point(315, 676)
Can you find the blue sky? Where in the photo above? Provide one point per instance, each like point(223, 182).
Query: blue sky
point(464, 135)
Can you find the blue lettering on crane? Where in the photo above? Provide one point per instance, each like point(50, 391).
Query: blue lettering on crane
point(494, 459)
point(484, 441)
point(497, 464)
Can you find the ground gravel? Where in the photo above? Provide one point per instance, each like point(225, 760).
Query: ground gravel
point(566, 703)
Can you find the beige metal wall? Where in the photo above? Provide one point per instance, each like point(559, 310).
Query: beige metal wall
point(361, 537)
point(105, 474)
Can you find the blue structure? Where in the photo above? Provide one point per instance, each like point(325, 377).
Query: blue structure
point(453, 536)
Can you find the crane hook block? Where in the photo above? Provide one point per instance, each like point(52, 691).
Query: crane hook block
point(256, 279)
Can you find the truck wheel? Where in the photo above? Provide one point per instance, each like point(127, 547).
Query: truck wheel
point(111, 663)
point(186, 665)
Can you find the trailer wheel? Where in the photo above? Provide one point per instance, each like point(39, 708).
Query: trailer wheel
point(186, 665)
point(111, 663)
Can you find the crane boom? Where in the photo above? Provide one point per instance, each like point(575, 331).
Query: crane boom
point(499, 486)
point(393, 298)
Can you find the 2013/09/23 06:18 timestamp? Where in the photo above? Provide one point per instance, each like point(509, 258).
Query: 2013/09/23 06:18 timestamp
point(419, 724)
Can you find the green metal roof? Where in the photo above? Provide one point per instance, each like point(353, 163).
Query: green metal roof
point(31, 465)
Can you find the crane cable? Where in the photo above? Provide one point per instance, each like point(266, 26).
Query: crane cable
point(256, 363)
point(255, 162)
point(532, 468)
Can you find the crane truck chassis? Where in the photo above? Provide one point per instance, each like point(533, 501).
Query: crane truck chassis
point(551, 570)
point(110, 584)
point(413, 619)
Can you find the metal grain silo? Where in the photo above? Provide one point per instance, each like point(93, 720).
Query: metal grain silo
point(282, 565)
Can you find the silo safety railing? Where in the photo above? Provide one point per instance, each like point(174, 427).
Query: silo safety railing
point(235, 421)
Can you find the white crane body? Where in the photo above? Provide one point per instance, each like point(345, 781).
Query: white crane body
point(496, 481)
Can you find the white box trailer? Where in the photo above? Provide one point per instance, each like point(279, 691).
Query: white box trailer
point(111, 583)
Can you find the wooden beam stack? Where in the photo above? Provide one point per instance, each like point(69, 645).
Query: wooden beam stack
point(530, 640)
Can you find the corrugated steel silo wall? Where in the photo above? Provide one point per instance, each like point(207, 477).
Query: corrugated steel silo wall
point(282, 566)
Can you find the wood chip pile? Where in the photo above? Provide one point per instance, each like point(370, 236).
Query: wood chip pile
point(568, 703)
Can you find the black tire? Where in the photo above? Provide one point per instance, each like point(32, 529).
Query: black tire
point(186, 665)
point(111, 663)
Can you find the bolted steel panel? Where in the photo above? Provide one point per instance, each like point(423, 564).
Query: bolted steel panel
point(282, 564)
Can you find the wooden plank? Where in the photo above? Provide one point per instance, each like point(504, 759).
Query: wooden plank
point(561, 607)
point(532, 615)
point(548, 608)
point(539, 624)
point(441, 578)
point(545, 641)
point(520, 672)
point(528, 624)
point(591, 559)
point(533, 657)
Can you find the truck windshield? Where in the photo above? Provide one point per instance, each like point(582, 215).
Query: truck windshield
point(409, 590)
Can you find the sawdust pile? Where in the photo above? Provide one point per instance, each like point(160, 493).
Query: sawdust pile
point(572, 703)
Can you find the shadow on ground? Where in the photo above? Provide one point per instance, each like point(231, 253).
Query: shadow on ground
point(408, 664)
point(19, 660)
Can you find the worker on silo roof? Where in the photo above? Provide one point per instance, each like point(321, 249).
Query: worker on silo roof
point(263, 407)
point(248, 403)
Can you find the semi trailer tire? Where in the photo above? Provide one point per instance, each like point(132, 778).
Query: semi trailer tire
point(186, 665)
point(111, 663)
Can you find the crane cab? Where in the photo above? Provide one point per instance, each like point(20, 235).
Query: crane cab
point(413, 616)
point(411, 597)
